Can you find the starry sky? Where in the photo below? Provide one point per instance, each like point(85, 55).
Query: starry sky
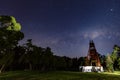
point(67, 25)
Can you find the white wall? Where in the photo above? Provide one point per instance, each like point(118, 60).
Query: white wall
point(91, 69)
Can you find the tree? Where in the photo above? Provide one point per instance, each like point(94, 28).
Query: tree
point(9, 23)
point(36, 60)
point(19, 51)
point(118, 60)
point(81, 61)
point(109, 63)
point(114, 56)
point(114, 53)
point(75, 64)
point(68, 62)
point(27, 57)
point(60, 63)
point(8, 40)
point(47, 59)
point(32, 58)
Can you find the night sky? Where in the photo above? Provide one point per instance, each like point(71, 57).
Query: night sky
point(67, 25)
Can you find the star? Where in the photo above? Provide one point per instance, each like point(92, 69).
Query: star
point(62, 23)
point(111, 9)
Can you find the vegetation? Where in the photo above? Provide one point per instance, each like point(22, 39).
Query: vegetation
point(9, 37)
point(9, 23)
point(109, 63)
point(115, 56)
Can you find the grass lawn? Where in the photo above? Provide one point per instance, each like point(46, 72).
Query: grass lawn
point(58, 75)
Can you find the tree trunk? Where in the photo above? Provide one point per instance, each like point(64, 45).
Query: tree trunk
point(2, 67)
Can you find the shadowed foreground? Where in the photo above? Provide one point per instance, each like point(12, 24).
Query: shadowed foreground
point(59, 75)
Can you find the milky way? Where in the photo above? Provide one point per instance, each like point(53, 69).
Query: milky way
point(68, 25)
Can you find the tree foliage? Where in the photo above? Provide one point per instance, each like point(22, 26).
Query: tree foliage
point(8, 41)
point(115, 57)
point(109, 63)
point(9, 23)
point(114, 53)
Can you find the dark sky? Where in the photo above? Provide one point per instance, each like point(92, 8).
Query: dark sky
point(67, 25)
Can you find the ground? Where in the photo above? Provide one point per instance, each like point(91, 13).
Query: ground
point(58, 75)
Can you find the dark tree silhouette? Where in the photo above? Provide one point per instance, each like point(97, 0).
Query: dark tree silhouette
point(8, 40)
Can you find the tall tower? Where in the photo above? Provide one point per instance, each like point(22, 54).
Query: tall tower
point(92, 57)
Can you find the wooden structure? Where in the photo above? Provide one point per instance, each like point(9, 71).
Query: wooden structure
point(92, 58)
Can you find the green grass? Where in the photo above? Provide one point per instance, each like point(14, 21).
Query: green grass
point(58, 75)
